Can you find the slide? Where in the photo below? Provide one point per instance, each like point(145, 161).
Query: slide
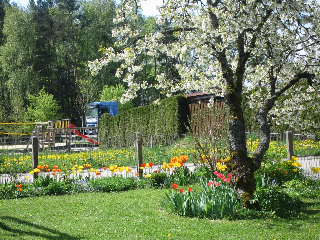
point(75, 131)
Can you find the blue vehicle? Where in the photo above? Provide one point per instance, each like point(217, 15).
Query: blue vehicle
point(95, 111)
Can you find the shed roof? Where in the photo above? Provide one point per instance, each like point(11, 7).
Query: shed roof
point(203, 97)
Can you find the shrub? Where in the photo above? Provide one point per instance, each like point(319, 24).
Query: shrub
point(281, 171)
point(7, 191)
point(306, 187)
point(42, 107)
point(57, 188)
point(159, 179)
point(275, 199)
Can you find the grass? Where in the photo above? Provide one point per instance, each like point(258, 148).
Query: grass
point(137, 214)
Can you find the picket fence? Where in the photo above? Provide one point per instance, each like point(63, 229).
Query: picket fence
point(72, 143)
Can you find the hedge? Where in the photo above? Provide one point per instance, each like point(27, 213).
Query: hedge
point(170, 117)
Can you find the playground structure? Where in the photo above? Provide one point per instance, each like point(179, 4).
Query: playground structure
point(53, 134)
point(49, 132)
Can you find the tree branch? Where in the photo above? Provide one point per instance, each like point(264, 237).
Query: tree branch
point(263, 113)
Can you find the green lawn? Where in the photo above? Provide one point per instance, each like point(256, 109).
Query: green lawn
point(137, 214)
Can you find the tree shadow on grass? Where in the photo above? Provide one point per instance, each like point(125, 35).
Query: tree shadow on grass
point(311, 208)
point(46, 233)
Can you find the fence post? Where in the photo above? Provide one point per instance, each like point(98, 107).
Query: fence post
point(139, 153)
point(289, 140)
point(151, 141)
point(35, 149)
point(69, 142)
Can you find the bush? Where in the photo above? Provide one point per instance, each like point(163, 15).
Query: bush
point(7, 191)
point(58, 188)
point(275, 199)
point(159, 180)
point(42, 107)
point(306, 187)
point(280, 171)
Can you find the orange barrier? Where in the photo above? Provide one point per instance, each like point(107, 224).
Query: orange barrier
point(75, 131)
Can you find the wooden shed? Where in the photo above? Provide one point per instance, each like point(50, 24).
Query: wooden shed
point(201, 117)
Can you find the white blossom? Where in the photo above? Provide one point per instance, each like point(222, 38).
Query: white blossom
point(286, 42)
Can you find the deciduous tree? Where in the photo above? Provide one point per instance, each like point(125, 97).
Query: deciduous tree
point(230, 45)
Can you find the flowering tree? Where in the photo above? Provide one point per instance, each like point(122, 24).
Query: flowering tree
point(231, 45)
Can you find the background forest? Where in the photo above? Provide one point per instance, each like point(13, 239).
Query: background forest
point(44, 52)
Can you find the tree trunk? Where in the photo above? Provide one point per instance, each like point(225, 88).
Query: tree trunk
point(240, 165)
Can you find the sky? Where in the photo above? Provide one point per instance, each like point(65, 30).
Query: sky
point(148, 6)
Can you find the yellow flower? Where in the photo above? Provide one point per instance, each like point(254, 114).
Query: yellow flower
point(91, 169)
point(96, 170)
point(315, 169)
point(26, 177)
point(32, 172)
point(147, 175)
point(164, 166)
point(262, 164)
point(295, 170)
point(294, 164)
point(177, 164)
point(294, 158)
